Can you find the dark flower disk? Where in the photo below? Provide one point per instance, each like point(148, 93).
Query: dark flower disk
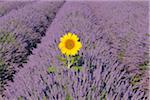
point(114, 54)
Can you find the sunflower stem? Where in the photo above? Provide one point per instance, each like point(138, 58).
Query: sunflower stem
point(69, 62)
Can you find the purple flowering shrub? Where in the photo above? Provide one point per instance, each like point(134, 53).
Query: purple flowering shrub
point(127, 28)
point(6, 7)
point(20, 31)
point(110, 60)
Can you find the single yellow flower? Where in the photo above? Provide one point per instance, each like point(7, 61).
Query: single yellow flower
point(69, 44)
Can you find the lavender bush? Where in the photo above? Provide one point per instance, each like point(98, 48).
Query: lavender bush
point(6, 7)
point(25, 27)
point(110, 56)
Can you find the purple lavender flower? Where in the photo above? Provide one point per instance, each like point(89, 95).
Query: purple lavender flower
point(111, 53)
point(26, 26)
point(6, 7)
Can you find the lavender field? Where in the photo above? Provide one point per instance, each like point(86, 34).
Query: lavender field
point(113, 62)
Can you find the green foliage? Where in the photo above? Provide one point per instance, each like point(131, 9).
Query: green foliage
point(2, 63)
point(6, 38)
point(64, 87)
point(144, 65)
point(44, 98)
point(93, 88)
point(135, 80)
point(76, 68)
point(20, 98)
point(73, 62)
point(51, 69)
point(88, 96)
point(103, 96)
point(76, 59)
point(147, 34)
point(62, 59)
point(121, 55)
point(2, 74)
point(68, 97)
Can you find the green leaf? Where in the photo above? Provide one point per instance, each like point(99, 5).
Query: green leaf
point(64, 87)
point(76, 59)
point(121, 55)
point(44, 98)
point(93, 88)
point(144, 65)
point(7, 38)
point(61, 59)
point(72, 60)
point(147, 34)
point(135, 79)
point(103, 96)
point(76, 68)
point(68, 97)
point(20, 98)
point(1, 62)
point(51, 69)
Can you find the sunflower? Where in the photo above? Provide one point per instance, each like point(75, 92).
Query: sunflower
point(69, 44)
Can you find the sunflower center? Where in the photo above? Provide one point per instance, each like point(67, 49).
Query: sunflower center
point(69, 44)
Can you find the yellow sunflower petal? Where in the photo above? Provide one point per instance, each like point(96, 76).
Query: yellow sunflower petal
point(74, 52)
point(60, 45)
point(69, 35)
point(63, 50)
point(78, 45)
point(75, 37)
point(68, 53)
point(63, 38)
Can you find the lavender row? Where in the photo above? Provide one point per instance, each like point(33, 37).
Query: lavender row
point(104, 74)
point(127, 28)
point(6, 7)
point(20, 31)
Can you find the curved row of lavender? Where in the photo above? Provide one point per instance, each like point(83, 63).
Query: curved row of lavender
point(114, 45)
point(20, 31)
point(6, 7)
